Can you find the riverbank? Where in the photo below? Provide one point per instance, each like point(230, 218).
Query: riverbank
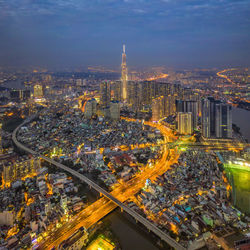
point(241, 118)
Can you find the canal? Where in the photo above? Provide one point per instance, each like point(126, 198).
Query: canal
point(130, 235)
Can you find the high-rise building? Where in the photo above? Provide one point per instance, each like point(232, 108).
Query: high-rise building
point(124, 76)
point(147, 96)
point(7, 217)
point(94, 106)
point(213, 104)
point(21, 168)
point(223, 121)
point(25, 94)
point(216, 119)
point(197, 98)
point(105, 94)
point(188, 94)
point(116, 90)
point(169, 105)
point(38, 91)
point(185, 123)
point(15, 95)
point(188, 106)
point(20, 94)
point(115, 110)
point(134, 95)
point(162, 89)
point(205, 116)
point(90, 108)
point(79, 82)
point(157, 108)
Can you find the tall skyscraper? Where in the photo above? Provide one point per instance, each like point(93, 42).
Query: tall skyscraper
point(185, 123)
point(115, 110)
point(134, 97)
point(124, 75)
point(213, 104)
point(223, 121)
point(205, 116)
point(105, 94)
point(116, 90)
point(20, 94)
point(38, 91)
point(216, 119)
point(157, 108)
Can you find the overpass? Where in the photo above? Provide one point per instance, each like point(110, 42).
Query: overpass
point(150, 226)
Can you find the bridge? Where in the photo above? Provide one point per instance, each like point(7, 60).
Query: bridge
point(150, 226)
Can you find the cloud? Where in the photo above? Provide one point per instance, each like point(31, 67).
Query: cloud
point(139, 11)
point(153, 23)
point(199, 6)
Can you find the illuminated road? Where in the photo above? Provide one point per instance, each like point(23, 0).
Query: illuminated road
point(154, 78)
point(105, 205)
point(224, 76)
point(216, 146)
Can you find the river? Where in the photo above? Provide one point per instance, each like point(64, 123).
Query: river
point(14, 84)
point(241, 118)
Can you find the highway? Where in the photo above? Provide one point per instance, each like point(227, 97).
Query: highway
point(224, 76)
point(154, 78)
point(105, 205)
point(218, 146)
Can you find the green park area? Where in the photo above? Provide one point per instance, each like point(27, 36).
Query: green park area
point(240, 180)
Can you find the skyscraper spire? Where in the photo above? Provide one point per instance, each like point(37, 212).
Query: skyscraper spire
point(124, 75)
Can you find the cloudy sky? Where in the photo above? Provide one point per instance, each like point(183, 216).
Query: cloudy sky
point(174, 33)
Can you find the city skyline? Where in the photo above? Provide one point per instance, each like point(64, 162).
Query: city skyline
point(160, 33)
point(124, 124)
point(164, 155)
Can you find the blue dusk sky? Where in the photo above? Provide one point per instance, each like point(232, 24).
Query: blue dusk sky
point(172, 33)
